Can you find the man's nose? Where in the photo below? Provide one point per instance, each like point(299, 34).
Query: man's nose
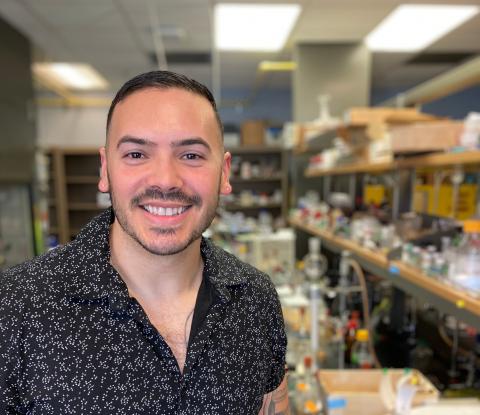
point(165, 174)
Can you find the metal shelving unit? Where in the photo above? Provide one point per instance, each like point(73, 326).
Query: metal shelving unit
point(411, 280)
point(444, 297)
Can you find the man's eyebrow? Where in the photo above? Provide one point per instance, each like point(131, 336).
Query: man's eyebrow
point(135, 140)
point(192, 141)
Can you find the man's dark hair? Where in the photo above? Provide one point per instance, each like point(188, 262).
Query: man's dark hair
point(163, 80)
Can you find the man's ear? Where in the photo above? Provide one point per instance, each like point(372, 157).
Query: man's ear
point(225, 186)
point(103, 184)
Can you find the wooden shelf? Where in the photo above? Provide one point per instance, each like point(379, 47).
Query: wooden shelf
point(445, 297)
point(377, 258)
point(430, 160)
point(441, 160)
point(274, 178)
point(254, 150)
point(235, 206)
point(460, 298)
point(82, 179)
point(85, 206)
point(351, 168)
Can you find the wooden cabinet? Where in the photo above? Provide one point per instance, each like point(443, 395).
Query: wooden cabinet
point(259, 179)
point(74, 176)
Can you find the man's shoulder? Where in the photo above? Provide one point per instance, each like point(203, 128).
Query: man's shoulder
point(41, 274)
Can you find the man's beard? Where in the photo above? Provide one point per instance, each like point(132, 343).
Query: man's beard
point(153, 193)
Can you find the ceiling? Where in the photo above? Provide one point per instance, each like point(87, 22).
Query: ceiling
point(116, 37)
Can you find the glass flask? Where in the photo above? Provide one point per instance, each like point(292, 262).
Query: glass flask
point(465, 267)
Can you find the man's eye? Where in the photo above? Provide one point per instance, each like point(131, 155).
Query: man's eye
point(192, 156)
point(135, 155)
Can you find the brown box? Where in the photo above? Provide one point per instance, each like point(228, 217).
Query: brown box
point(253, 133)
point(430, 136)
point(361, 389)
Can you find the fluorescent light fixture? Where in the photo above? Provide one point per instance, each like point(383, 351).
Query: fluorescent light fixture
point(413, 27)
point(277, 66)
point(78, 76)
point(254, 27)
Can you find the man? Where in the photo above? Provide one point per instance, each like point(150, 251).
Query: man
point(140, 314)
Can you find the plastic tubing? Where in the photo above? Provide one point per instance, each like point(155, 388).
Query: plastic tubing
point(366, 312)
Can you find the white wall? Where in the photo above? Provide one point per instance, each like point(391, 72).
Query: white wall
point(71, 127)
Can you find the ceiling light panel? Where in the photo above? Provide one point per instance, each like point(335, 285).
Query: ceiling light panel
point(254, 27)
point(277, 66)
point(76, 76)
point(413, 27)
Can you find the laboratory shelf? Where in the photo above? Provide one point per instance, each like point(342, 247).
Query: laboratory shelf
point(427, 289)
point(435, 160)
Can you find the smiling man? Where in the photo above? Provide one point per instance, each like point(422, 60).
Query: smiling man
point(141, 314)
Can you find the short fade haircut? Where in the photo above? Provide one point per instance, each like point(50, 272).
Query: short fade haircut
point(163, 80)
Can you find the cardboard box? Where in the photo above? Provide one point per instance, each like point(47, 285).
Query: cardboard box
point(413, 138)
point(374, 194)
point(424, 200)
point(253, 133)
point(361, 389)
point(420, 137)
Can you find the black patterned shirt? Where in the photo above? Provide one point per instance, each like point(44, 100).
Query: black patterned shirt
point(72, 340)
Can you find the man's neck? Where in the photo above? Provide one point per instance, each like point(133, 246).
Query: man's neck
point(151, 277)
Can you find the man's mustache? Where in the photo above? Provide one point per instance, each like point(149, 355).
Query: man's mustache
point(172, 196)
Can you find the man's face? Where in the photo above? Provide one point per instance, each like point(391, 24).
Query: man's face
point(164, 167)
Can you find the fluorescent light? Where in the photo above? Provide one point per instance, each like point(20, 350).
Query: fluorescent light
point(277, 66)
point(254, 27)
point(415, 26)
point(79, 76)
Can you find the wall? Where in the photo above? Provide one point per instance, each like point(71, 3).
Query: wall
point(271, 105)
point(71, 127)
point(85, 127)
point(342, 71)
point(17, 118)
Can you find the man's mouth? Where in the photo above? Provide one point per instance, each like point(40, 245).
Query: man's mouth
point(165, 211)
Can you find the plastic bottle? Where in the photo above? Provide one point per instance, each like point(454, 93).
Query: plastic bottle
point(407, 386)
point(465, 269)
point(308, 399)
point(361, 356)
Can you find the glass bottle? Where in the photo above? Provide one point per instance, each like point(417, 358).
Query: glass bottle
point(307, 399)
point(315, 262)
point(351, 334)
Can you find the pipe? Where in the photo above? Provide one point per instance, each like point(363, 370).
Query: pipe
point(457, 79)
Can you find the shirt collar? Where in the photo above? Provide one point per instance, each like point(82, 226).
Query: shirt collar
point(93, 277)
point(222, 269)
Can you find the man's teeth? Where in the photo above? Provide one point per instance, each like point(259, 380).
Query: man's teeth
point(161, 211)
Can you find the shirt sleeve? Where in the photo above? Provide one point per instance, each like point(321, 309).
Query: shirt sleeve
point(278, 340)
point(10, 338)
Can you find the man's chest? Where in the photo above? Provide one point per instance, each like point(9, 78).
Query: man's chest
point(174, 327)
point(96, 361)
